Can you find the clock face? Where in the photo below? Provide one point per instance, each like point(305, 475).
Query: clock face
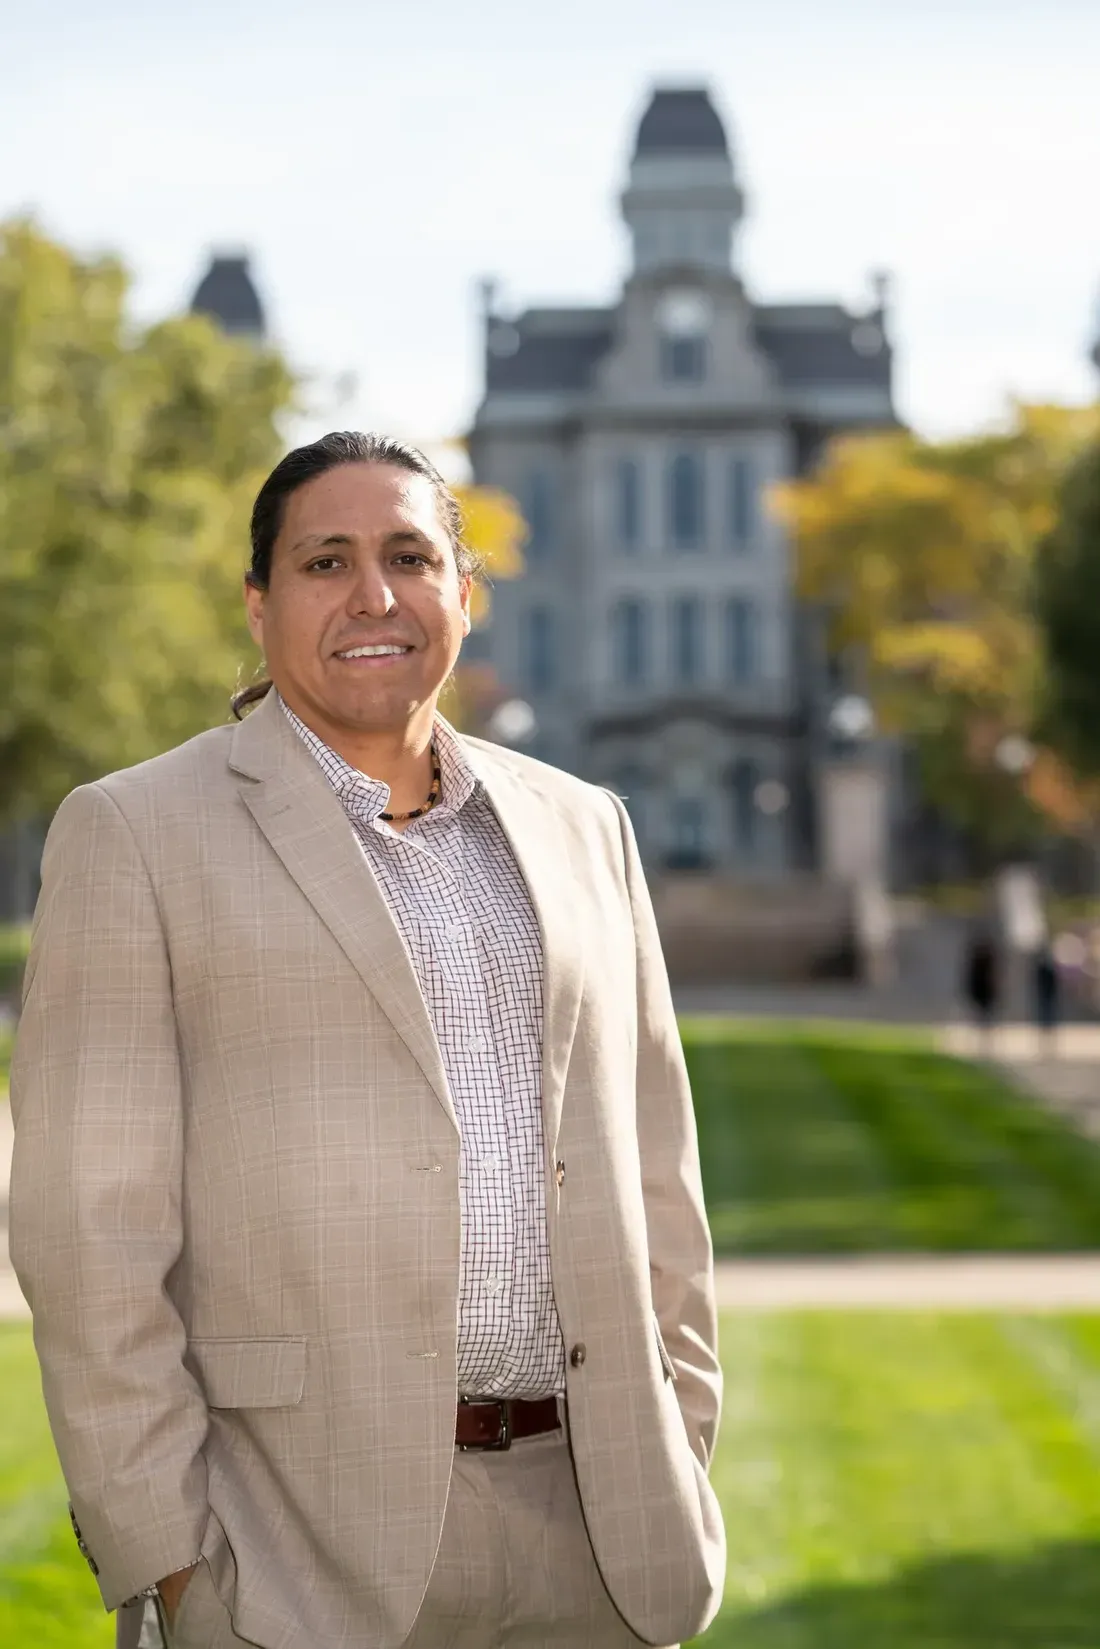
point(683, 313)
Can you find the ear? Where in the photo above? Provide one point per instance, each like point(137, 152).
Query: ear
point(467, 589)
point(254, 611)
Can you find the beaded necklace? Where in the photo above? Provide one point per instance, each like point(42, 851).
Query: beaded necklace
point(433, 796)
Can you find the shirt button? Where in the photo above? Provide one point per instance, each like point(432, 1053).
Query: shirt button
point(493, 1285)
point(490, 1164)
point(578, 1355)
point(477, 1044)
point(453, 931)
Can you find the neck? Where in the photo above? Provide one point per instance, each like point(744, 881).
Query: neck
point(397, 757)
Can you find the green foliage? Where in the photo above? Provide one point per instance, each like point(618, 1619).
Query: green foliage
point(128, 461)
point(825, 1141)
point(1067, 594)
point(922, 554)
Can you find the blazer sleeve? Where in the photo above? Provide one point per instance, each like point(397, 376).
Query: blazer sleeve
point(680, 1256)
point(95, 1209)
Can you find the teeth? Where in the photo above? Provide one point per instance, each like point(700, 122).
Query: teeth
point(372, 652)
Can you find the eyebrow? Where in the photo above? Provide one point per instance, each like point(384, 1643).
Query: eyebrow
point(405, 535)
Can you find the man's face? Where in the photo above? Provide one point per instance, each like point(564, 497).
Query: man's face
point(362, 560)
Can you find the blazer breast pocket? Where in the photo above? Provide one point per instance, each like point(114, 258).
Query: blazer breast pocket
point(250, 1374)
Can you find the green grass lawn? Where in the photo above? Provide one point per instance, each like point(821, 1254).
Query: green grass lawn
point(828, 1139)
point(904, 1481)
point(890, 1481)
point(48, 1599)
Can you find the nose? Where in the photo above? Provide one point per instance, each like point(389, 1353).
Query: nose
point(371, 595)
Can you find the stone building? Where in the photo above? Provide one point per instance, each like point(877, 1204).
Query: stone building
point(655, 631)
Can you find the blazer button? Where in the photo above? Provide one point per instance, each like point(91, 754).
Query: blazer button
point(578, 1355)
point(559, 1174)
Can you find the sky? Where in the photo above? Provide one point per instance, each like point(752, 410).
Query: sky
point(377, 160)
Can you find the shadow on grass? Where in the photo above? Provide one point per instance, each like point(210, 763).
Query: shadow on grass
point(819, 1147)
point(1046, 1598)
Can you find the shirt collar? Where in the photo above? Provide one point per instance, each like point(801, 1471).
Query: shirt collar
point(459, 778)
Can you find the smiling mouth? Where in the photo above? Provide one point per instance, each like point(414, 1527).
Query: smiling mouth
point(373, 655)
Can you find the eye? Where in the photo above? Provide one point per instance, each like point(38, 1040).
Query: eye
point(416, 556)
point(322, 563)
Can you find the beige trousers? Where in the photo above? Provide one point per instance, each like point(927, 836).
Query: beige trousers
point(514, 1570)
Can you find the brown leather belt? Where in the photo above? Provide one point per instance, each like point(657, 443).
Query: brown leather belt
point(497, 1422)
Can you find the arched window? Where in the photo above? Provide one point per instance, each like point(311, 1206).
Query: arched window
point(688, 650)
point(540, 658)
point(742, 641)
point(742, 503)
point(630, 643)
point(537, 502)
point(686, 501)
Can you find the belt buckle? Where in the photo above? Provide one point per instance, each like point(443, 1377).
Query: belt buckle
point(505, 1439)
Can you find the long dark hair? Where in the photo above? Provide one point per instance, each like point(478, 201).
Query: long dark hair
point(305, 464)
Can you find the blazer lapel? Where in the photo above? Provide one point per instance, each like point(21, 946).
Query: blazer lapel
point(533, 827)
point(300, 814)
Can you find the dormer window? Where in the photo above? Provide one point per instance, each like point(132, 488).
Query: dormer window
point(683, 322)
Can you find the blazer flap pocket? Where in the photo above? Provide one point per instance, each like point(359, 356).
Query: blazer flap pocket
point(251, 1374)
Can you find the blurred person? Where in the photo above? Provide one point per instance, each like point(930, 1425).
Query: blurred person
point(981, 984)
point(1046, 986)
point(356, 1191)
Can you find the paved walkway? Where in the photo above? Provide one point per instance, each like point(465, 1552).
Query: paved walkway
point(979, 1282)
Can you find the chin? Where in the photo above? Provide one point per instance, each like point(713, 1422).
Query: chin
point(379, 710)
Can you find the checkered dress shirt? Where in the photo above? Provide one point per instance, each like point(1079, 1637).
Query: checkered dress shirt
point(464, 912)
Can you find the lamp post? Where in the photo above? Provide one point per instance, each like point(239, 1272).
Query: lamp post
point(851, 722)
point(854, 830)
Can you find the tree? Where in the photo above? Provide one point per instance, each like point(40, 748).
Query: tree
point(495, 530)
point(921, 555)
point(128, 462)
point(1067, 599)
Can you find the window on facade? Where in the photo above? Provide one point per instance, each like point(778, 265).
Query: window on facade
point(742, 503)
point(688, 645)
point(688, 845)
point(538, 511)
point(742, 641)
point(683, 360)
point(746, 778)
point(540, 650)
point(628, 504)
point(686, 501)
point(630, 643)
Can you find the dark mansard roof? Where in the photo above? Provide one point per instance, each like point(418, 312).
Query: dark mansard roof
point(810, 345)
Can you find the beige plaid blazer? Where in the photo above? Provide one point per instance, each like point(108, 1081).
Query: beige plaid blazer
point(234, 1205)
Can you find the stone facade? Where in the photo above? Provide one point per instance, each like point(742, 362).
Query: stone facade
point(655, 631)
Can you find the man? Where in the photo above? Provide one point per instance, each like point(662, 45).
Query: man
point(355, 1190)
